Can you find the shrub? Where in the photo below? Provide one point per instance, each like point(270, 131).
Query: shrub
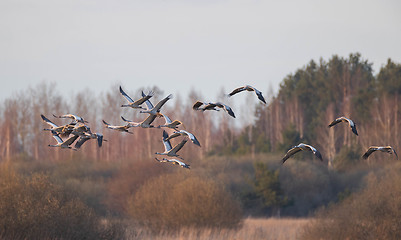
point(308, 185)
point(35, 208)
point(373, 213)
point(128, 180)
point(173, 201)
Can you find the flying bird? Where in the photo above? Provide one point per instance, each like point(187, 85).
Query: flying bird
point(64, 130)
point(63, 144)
point(301, 147)
point(170, 124)
point(347, 120)
point(173, 161)
point(74, 117)
point(248, 88)
point(168, 150)
point(80, 129)
point(123, 128)
point(83, 139)
point(144, 124)
point(387, 149)
point(183, 133)
point(137, 103)
point(200, 106)
point(206, 106)
point(156, 109)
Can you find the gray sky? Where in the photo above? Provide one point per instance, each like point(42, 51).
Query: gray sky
point(183, 45)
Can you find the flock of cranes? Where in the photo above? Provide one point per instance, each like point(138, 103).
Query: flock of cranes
point(71, 132)
point(352, 125)
point(65, 135)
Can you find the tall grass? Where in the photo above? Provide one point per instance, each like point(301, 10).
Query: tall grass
point(252, 229)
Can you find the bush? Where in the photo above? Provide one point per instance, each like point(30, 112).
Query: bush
point(35, 208)
point(173, 201)
point(373, 213)
point(308, 184)
point(128, 180)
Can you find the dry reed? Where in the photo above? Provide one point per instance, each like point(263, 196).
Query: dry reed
point(252, 229)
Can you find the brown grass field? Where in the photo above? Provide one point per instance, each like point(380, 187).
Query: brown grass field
point(252, 229)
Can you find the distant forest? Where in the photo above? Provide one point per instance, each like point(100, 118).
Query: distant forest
point(307, 101)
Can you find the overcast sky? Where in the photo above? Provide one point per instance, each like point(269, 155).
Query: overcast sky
point(183, 45)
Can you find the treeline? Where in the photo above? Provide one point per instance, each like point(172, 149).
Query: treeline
point(309, 99)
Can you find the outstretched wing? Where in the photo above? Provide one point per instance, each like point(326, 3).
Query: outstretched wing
point(395, 153)
point(174, 135)
point(368, 152)
point(229, 110)
point(81, 141)
point(149, 119)
point(57, 137)
point(210, 106)
point(70, 140)
point(105, 123)
point(99, 138)
point(126, 120)
point(166, 142)
point(147, 102)
point(126, 96)
point(192, 137)
point(162, 102)
point(260, 96)
point(145, 98)
point(168, 120)
point(179, 146)
point(316, 152)
point(73, 117)
point(180, 163)
point(226, 108)
point(197, 105)
point(337, 120)
point(237, 90)
point(352, 126)
point(291, 152)
point(175, 123)
point(46, 120)
point(257, 92)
